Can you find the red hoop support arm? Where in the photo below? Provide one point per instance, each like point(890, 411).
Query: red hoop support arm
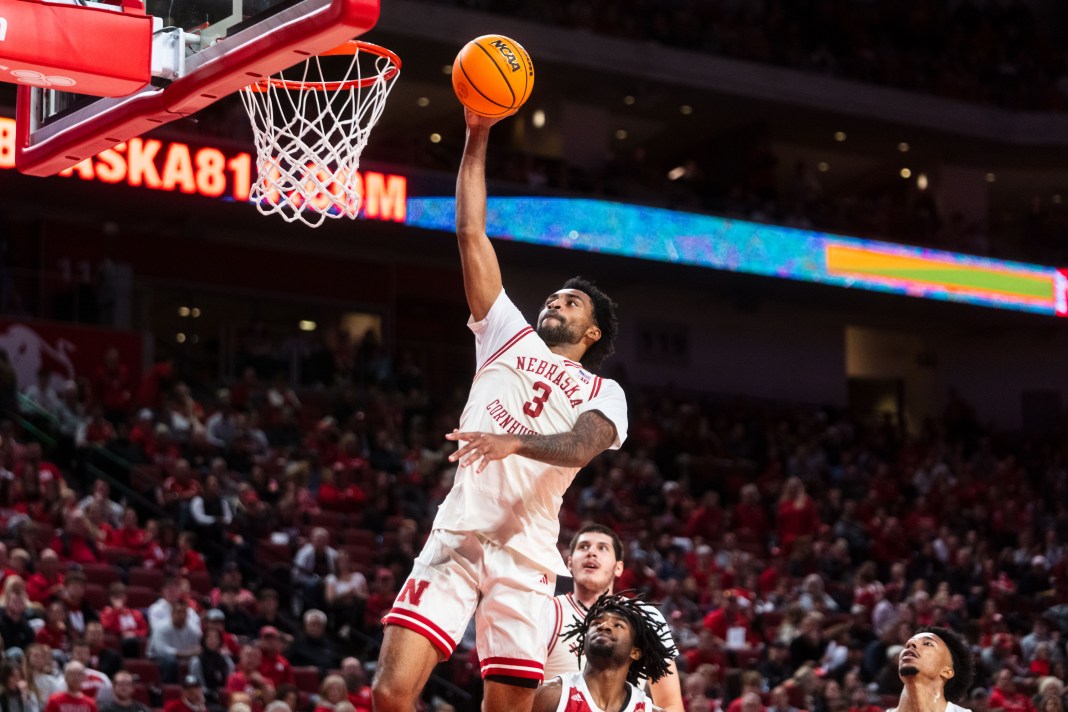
point(86, 50)
point(248, 56)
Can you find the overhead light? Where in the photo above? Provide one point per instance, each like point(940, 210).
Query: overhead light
point(839, 136)
point(990, 177)
point(435, 138)
point(685, 109)
point(423, 101)
point(903, 147)
point(1056, 198)
point(676, 172)
point(447, 69)
point(180, 338)
point(823, 166)
point(195, 312)
point(621, 134)
point(195, 338)
point(629, 100)
point(183, 311)
point(906, 173)
point(921, 181)
point(537, 119)
point(306, 325)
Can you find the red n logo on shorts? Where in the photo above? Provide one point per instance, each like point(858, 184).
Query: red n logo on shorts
point(413, 590)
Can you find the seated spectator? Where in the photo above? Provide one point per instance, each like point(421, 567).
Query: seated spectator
point(190, 560)
point(192, 699)
point(173, 642)
point(79, 612)
point(238, 619)
point(231, 575)
point(274, 665)
point(54, 632)
point(101, 657)
point(123, 691)
point(127, 623)
point(130, 535)
point(211, 514)
point(248, 679)
point(346, 594)
point(39, 669)
point(15, 695)
point(159, 613)
point(1006, 697)
point(313, 563)
point(270, 613)
point(178, 491)
point(212, 666)
point(101, 498)
point(356, 687)
point(332, 692)
point(215, 619)
point(76, 542)
point(15, 630)
point(312, 647)
point(47, 582)
point(72, 699)
point(97, 685)
point(809, 644)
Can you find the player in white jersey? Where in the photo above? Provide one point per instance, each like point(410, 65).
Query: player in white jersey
point(595, 562)
point(534, 416)
point(621, 645)
point(936, 667)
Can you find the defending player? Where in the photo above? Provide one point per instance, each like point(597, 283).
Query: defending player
point(936, 667)
point(534, 416)
point(595, 562)
point(621, 644)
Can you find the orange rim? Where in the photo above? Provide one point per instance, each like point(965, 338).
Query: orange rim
point(350, 47)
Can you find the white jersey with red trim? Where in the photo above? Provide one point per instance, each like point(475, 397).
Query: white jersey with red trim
point(523, 387)
point(575, 697)
point(562, 659)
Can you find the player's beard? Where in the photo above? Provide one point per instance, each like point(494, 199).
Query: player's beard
point(908, 671)
point(555, 332)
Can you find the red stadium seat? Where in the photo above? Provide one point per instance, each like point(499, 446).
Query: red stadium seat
point(149, 578)
point(307, 678)
point(144, 671)
point(97, 595)
point(141, 596)
point(103, 574)
point(200, 582)
point(268, 552)
point(141, 694)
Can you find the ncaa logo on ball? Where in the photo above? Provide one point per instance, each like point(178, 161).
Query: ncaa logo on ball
point(507, 53)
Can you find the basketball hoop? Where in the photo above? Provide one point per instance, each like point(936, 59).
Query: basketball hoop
point(310, 131)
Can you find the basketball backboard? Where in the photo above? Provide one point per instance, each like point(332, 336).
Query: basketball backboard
point(223, 45)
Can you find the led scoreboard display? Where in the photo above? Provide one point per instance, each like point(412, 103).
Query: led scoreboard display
point(207, 171)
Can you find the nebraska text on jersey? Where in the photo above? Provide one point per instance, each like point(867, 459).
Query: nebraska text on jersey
point(521, 387)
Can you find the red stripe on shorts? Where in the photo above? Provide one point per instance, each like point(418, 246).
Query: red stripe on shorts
point(515, 667)
point(424, 626)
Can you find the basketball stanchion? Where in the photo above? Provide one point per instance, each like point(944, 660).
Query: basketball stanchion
point(310, 131)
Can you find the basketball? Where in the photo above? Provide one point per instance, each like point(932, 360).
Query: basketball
point(492, 75)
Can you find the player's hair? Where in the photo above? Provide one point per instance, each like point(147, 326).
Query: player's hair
point(617, 544)
point(656, 657)
point(963, 664)
point(604, 316)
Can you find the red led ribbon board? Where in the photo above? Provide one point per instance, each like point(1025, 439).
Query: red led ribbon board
point(85, 50)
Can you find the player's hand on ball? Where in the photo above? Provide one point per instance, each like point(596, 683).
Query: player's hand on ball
point(478, 121)
point(486, 447)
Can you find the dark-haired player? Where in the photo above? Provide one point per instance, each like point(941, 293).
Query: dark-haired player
point(621, 644)
point(595, 562)
point(534, 416)
point(937, 668)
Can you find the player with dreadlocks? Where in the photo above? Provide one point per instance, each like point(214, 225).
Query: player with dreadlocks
point(936, 667)
point(621, 644)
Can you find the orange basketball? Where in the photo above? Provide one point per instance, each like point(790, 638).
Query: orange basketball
point(492, 75)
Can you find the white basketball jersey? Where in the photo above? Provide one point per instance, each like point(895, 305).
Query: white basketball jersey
point(562, 658)
point(575, 697)
point(523, 387)
point(950, 707)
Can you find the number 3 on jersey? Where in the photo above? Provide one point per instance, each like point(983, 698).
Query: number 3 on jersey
point(534, 406)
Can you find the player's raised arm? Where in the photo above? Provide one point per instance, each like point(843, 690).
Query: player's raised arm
point(482, 273)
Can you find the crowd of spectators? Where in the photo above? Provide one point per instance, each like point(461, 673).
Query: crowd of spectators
point(984, 51)
point(235, 548)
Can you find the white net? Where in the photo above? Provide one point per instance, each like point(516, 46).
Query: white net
point(311, 130)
